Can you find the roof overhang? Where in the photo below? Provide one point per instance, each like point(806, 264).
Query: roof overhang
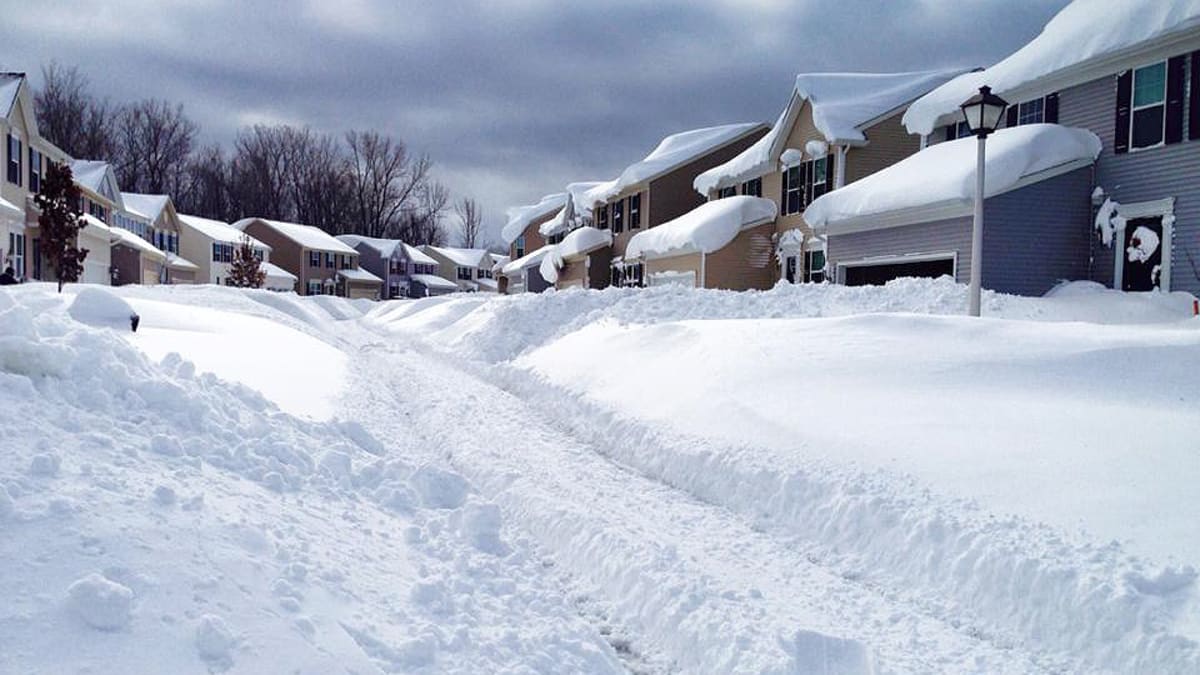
point(692, 250)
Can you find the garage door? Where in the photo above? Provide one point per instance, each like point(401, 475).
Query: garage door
point(874, 275)
point(95, 273)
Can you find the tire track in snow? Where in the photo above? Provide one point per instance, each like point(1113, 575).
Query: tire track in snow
point(694, 580)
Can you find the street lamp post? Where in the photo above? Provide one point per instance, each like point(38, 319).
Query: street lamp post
point(982, 113)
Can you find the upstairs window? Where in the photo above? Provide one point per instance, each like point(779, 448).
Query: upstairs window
point(519, 247)
point(328, 260)
point(1031, 112)
point(464, 273)
point(314, 258)
point(1149, 106)
point(724, 192)
point(793, 191)
point(35, 170)
point(216, 253)
point(752, 188)
point(602, 217)
point(635, 211)
point(14, 160)
point(347, 262)
point(258, 254)
point(618, 216)
point(818, 178)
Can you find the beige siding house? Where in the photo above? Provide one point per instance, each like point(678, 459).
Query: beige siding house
point(162, 230)
point(469, 268)
point(210, 245)
point(835, 129)
point(321, 264)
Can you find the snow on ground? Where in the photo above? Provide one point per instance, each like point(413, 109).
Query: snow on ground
point(1029, 481)
point(157, 519)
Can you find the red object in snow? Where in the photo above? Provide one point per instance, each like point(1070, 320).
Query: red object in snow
point(1195, 307)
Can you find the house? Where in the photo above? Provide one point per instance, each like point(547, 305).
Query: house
point(835, 129)
point(521, 233)
point(158, 223)
point(648, 193)
point(915, 218)
point(322, 264)
point(470, 269)
point(523, 274)
point(134, 260)
point(100, 198)
point(1128, 72)
point(210, 245)
point(26, 157)
point(406, 271)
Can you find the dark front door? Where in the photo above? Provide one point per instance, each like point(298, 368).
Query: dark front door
point(877, 275)
point(1143, 254)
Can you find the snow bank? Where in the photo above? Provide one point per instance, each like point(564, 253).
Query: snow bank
point(705, 229)
point(672, 152)
point(1084, 31)
point(945, 172)
point(520, 217)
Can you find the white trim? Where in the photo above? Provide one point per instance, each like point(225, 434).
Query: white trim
point(873, 261)
point(944, 210)
point(1159, 208)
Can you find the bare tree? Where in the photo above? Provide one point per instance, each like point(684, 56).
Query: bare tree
point(470, 220)
point(319, 187)
point(386, 184)
point(74, 120)
point(155, 141)
point(205, 190)
point(258, 173)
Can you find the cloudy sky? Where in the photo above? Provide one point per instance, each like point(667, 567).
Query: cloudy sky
point(511, 98)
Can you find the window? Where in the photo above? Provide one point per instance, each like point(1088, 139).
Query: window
point(37, 259)
point(1149, 106)
point(314, 287)
point(816, 266)
point(464, 273)
point(633, 275)
point(792, 191)
point(314, 258)
point(328, 260)
point(614, 277)
point(519, 247)
point(635, 211)
point(618, 216)
point(14, 160)
point(98, 210)
point(226, 252)
point(16, 251)
point(602, 217)
point(752, 188)
point(258, 254)
point(35, 170)
point(1031, 112)
point(216, 252)
point(962, 129)
point(726, 192)
point(818, 178)
point(789, 268)
point(347, 261)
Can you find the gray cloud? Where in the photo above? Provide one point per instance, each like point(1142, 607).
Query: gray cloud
point(511, 98)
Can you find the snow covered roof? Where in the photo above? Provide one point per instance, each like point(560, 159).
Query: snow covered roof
point(487, 284)
point(944, 174)
point(146, 206)
point(527, 260)
point(95, 226)
point(434, 281)
point(417, 256)
point(1083, 33)
point(579, 242)
point(217, 231)
point(843, 104)
point(92, 174)
point(705, 229)
point(463, 257)
point(387, 247)
point(179, 262)
point(359, 275)
point(672, 152)
point(520, 217)
point(10, 85)
point(126, 238)
point(274, 271)
point(306, 236)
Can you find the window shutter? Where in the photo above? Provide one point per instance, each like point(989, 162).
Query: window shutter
point(1174, 129)
point(1051, 108)
point(829, 171)
point(783, 197)
point(1194, 102)
point(1011, 119)
point(951, 131)
point(1124, 98)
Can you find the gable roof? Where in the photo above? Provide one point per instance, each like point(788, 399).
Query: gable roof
point(146, 206)
point(10, 86)
point(519, 217)
point(671, 153)
point(1085, 33)
point(220, 232)
point(843, 105)
point(126, 238)
point(306, 236)
point(97, 176)
point(387, 247)
point(463, 257)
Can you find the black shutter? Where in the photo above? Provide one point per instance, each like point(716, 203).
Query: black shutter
point(1174, 130)
point(1051, 108)
point(829, 171)
point(1124, 99)
point(783, 197)
point(951, 131)
point(1194, 102)
point(1011, 120)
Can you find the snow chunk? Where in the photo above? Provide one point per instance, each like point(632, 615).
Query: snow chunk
point(439, 489)
point(1084, 31)
point(481, 524)
point(1107, 220)
point(705, 229)
point(815, 148)
point(520, 217)
point(100, 308)
point(214, 641)
point(829, 655)
point(101, 603)
point(946, 172)
point(1143, 243)
point(46, 464)
point(674, 151)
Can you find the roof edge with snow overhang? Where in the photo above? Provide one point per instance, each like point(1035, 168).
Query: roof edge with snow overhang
point(528, 260)
point(706, 229)
point(520, 217)
point(307, 236)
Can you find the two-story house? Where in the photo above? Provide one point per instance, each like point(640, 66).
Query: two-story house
point(648, 193)
point(322, 264)
point(835, 129)
point(102, 206)
point(407, 272)
point(1126, 74)
point(157, 222)
point(26, 156)
point(212, 244)
point(470, 269)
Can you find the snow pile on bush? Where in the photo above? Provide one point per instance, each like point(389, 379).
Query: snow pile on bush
point(158, 520)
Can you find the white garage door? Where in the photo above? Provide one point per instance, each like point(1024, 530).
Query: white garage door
point(671, 277)
point(95, 273)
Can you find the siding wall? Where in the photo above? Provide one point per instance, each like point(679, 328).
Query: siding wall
point(953, 235)
point(679, 263)
point(888, 142)
point(533, 238)
point(745, 263)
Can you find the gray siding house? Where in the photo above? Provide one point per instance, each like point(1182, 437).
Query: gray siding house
point(1138, 91)
point(406, 271)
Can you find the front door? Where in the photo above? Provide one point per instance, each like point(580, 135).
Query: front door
point(1143, 254)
